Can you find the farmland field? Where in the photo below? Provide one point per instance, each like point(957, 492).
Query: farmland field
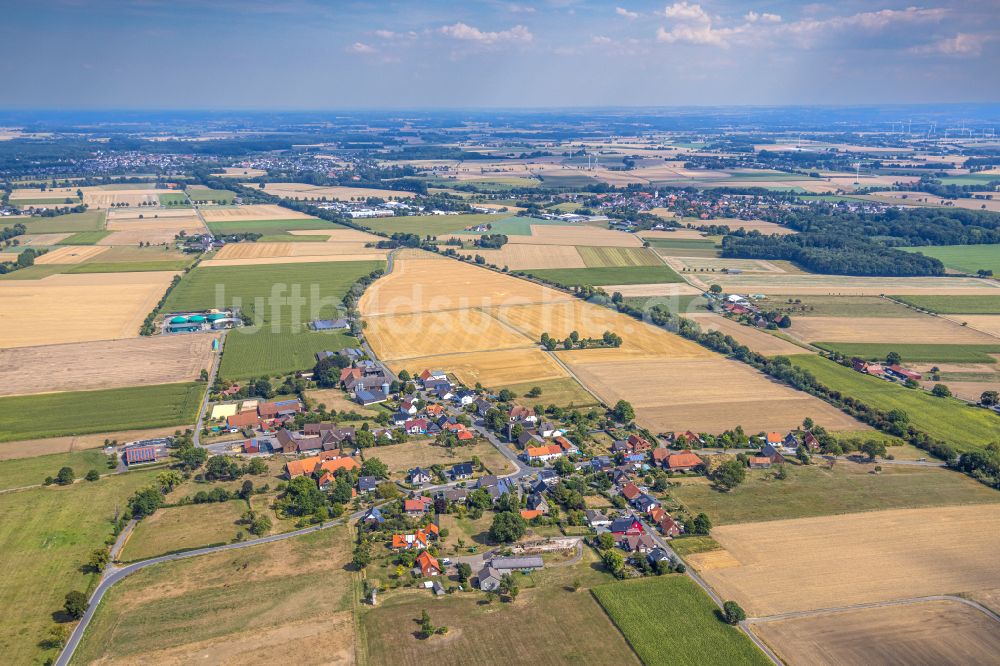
point(752, 337)
point(902, 550)
point(817, 490)
point(916, 353)
point(931, 632)
point(21, 472)
point(46, 534)
point(152, 227)
point(262, 352)
point(955, 304)
point(70, 254)
point(429, 333)
point(316, 192)
point(559, 392)
point(843, 306)
point(91, 220)
point(918, 329)
point(215, 196)
point(233, 606)
point(492, 369)
point(85, 238)
point(77, 308)
point(251, 287)
point(845, 285)
point(237, 226)
point(964, 427)
point(172, 529)
point(670, 620)
point(610, 257)
point(77, 412)
point(593, 277)
point(429, 224)
point(520, 257)
point(173, 198)
point(253, 212)
point(560, 234)
point(161, 359)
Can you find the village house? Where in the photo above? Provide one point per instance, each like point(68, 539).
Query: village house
point(519, 414)
point(482, 406)
point(684, 461)
point(427, 565)
point(669, 527)
point(636, 543)
point(306, 466)
point(418, 476)
point(417, 507)
point(626, 525)
point(489, 579)
point(461, 471)
point(596, 519)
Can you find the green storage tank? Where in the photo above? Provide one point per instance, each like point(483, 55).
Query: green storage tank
point(216, 316)
point(179, 320)
point(196, 319)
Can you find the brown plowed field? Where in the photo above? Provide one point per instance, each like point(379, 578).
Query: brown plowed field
point(85, 366)
point(785, 565)
point(932, 633)
point(921, 329)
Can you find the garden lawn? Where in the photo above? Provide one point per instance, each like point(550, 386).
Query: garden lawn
point(82, 412)
point(670, 620)
point(20, 472)
point(915, 353)
point(46, 536)
point(955, 304)
point(816, 490)
point(966, 428)
point(593, 277)
point(259, 352)
point(965, 258)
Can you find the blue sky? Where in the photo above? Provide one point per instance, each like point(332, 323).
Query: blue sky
point(315, 54)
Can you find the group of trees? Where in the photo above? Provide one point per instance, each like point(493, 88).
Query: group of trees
point(574, 341)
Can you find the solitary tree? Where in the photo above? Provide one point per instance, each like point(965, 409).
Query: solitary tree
point(989, 398)
point(873, 448)
point(733, 612)
point(75, 604)
point(941, 391)
point(65, 476)
point(893, 358)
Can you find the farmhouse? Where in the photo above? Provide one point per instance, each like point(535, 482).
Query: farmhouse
point(272, 410)
point(139, 454)
point(427, 565)
point(519, 414)
point(305, 466)
point(904, 374)
point(489, 579)
point(683, 462)
point(509, 564)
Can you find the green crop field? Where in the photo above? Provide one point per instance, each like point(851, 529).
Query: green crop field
point(261, 352)
point(91, 220)
point(204, 194)
point(321, 284)
point(292, 238)
point(676, 304)
point(85, 238)
point(270, 226)
point(817, 490)
point(838, 306)
point(954, 304)
point(429, 224)
point(560, 392)
point(965, 258)
point(608, 257)
point(21, 472)
point(52, 201)
point(966, 428)
point(970, 179)
point(81, 412)
point(46, 536)
point(605, 276)
point(172, 198)
point(36, 272)
point(128, 266)
point(916, 353)
point(569, 180)
point(670, 620)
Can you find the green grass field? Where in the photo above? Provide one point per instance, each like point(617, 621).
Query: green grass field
point(965, 258)
point(270, 226)
point(670, 620)
point(689, 545)
point(610, 257)
point(292, 238)
point(816, 490)
point(204, 194)
point(916, 353)
point(954, 304)
point(127, 266)
point(970, 179)
point(560, 392)
point(50, 201)
point(569, 180)
point(839, 306)
point(605, 276)
point(82, 412)
point(85, 238)
point(265, 353)
point(36, 272)
point(20, 472)
point(321, 284)
point(178, 528)
point(46, 536)
point(965, 428)
point(91, 220)
point(172, 198)
point(677, 304)
point(430, 224)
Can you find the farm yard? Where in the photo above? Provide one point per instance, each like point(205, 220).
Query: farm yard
point(77, 308)
point(902, 550)
point(141, 361)
point(670, 620)
point(930, 632)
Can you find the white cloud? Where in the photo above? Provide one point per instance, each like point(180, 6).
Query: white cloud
point(601, 40)
point(464, 32)
point(754, 17)
point(520, 9)
point(621, 11)
point(361, 48)
point(962, 44)
point(683, 11)
point(694, 34)
point(385, 34)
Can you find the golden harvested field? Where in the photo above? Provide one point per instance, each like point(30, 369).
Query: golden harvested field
point(253, 212)
point(930, 633)
point(606, 257)
point(95, 197)
point(784, 566)
point(130, 230)
point(676, 234)
point(704, 395)
point(262, 261)
point(641, 340)
point(304, 191)
point(38, 193)
point(986, 323)
point(707, 264)
point(551, 234)
point(70, 254)
point(762, 226)
point(520, 257)
point(159, 359)
point(34, 240)
point(754, 338)
point(427, 333)
point(491, 369)
point(844, 285)
point(421, 281)
point(339, 235)
point(77, 308)
point(237, 172)
point(920, 329)
point(664, 289)
point(273, 250)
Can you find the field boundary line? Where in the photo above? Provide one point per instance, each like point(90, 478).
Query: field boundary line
point(875, 604)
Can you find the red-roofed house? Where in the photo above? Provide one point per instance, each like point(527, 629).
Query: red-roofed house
point(427, 564)
point(630, 491)
point(669, 527)
point(683, 462)
point(248, 419)
point(418, 506)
